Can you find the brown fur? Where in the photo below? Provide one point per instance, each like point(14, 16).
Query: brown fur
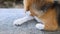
point(48, 17)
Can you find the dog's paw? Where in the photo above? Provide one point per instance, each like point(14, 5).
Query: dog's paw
point(22, 20)
point(19, 21)
point(40, 26)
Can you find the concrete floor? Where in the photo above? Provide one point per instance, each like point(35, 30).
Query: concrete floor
point(7, 16)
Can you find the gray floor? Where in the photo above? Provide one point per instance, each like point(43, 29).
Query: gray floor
point(7, 16)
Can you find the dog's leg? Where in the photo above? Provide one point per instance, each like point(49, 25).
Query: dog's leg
point(24, 19)
point(27, 4)
point(39, 26)
point(47, 25)
point(49, 21)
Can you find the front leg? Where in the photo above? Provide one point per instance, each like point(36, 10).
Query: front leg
point(24, 19)
point(39, 26)
point(26, 4)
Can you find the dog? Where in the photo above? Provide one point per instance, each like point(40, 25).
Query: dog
point(44, 11)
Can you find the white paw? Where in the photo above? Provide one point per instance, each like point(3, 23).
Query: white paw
point(22, 20)
point(40, 26)
point(19, 21)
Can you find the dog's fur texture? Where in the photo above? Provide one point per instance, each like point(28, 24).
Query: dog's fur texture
point(50, 17)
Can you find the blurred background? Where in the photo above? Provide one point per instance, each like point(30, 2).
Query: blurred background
point(11, 3)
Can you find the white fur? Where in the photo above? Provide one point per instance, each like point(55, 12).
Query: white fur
point(40, 26)
point(27, 18)
point(36, 18)
point(22, 20)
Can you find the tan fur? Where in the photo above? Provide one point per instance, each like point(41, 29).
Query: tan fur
point(48, 17)
point(50, 20)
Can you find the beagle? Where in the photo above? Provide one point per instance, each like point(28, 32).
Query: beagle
point(44, 11)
